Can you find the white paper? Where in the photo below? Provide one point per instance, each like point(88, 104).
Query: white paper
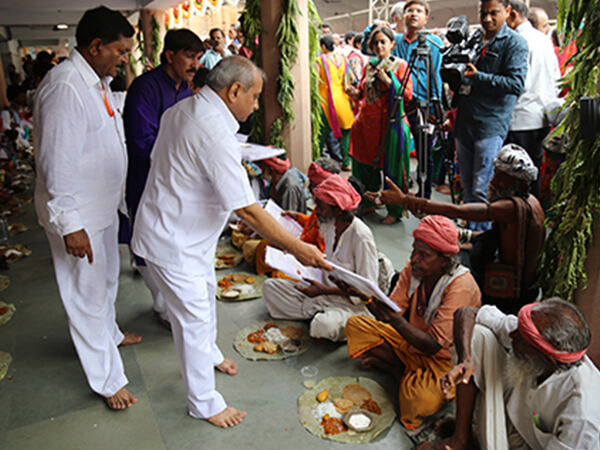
point(363, 285)
point(256, 152)
point(286, 222)
point(288, 264)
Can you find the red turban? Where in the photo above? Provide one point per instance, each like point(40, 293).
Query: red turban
point(337, 191)
point(439, 233)
point(277, 164)
point(317, 174)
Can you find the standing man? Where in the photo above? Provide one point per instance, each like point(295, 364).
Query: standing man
point(148, 97)
point(218, 51)
point(528, 125)
point(196, 180)
point(539, 19)
point(81, 161)
point(486, 101)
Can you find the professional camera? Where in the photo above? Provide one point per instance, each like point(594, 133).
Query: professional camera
point(463, 49)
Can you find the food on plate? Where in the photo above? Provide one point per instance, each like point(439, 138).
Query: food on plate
point(238, 277)
point(356, 393)
point(333, 425)
point(322, 396)
point(371, 406)
point(219, 262)
point(270, 348)
point(225, 283)
point(343, 405)
point(250, 280)
point(259, 348)
point(257, 337)
point(3, 310)
point(358, 421)
point(293, 332)
point(270, 325)
point(230, 294)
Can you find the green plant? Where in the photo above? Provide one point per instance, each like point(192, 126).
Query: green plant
point(576, 185)
point(156, 42)
point(314, 25)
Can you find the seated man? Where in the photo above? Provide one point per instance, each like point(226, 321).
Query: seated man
point(431, 287)
point(517, 235)
point(529, 376)
point(348, 243)
point(285, 187)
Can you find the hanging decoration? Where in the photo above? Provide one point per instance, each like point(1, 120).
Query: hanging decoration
point(186, 10)
point(200, 7)
point(215, 4)
point(175, 13)
point(314, 25)
point(167, 17)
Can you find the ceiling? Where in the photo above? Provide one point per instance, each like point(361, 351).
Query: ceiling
point(31, 21)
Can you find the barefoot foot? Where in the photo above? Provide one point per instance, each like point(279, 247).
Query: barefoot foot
point(130, 339)
point(228, 366)
point(121, 400)
point(389, 220)
point(366, 211)
point(227, 418)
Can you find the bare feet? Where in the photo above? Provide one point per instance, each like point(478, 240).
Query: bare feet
point(229, 367)
point(131, 339)
point(389, 220)
point(121, 400)
point(227, 418)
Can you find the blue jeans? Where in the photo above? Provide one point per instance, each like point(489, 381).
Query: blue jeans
point(476, 165)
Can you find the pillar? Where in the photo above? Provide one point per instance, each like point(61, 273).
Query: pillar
point(146, 25)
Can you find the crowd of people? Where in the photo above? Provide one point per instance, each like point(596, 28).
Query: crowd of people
point(164, 174)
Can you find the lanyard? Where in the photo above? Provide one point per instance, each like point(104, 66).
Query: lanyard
point(109, 110)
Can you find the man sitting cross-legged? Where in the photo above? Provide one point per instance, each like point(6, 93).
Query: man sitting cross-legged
point(431, 287)
point(525, 380)
point(349, 243)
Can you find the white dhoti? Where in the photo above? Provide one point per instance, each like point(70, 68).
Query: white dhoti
point(159, 304)
point(88, 293)
point(329, 313)
point(191, 305)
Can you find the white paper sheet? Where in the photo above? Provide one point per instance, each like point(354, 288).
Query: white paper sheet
point(286, 222)
point(362, 284)
point(288, 264)
point(256, 152)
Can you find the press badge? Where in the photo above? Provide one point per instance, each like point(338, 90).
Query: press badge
point(465, 89)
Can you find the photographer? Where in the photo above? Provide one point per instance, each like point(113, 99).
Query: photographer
point(486, 100)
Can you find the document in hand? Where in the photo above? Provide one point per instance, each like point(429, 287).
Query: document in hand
point(288, 264)
point(286, 222)
point(362, 284)
point(256, 152)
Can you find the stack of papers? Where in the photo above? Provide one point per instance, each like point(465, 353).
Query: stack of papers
point(286, 222)
point(256, 152)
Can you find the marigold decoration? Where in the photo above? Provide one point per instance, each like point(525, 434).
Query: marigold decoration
point(167, 14)
point(186, 10)
point(215, 4)
point(175, 14)
point(200, 6)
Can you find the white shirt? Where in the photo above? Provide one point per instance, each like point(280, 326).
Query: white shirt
point(567, 403)
point(79, 150)
point(196, 179)
point(541, 83)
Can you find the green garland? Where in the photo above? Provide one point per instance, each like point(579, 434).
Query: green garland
point(156, 42)
point(576, 185)
point(314, 25)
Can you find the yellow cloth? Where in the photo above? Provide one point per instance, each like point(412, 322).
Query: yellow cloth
point(419, 392)
point(341, 101)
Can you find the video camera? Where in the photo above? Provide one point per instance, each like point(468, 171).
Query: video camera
point(464, 49)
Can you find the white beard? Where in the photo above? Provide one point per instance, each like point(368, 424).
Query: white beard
point(327, 230)
point(520, 371)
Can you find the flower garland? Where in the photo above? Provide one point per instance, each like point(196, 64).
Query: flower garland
point(576, 185)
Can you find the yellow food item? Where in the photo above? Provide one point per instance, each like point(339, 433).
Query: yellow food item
point(258, 348)
point(343, 405)
point(250, 280)
point(356, 393)
point(270, 347)
point(322, 396)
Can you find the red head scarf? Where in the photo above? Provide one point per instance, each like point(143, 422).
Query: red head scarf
point(439, 233)
point(337, 191)
point(317, 174)
point(531, 334)
point(277, 164)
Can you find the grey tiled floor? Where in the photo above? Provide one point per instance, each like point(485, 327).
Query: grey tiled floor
point(45, 402)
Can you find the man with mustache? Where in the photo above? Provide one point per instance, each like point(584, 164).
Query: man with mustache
point(348, 243)
point(81, 166)
point(413, 345)
point(547, 396)
point(149, 96)
point(517, 235)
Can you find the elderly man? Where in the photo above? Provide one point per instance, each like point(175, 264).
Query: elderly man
point(505, 259)
point(81, 166)
point(431, 287)
point(148, 97)
point(525, 380)
point(528, 125)
point(348, 243)
point(539, 19)
point(196, 180)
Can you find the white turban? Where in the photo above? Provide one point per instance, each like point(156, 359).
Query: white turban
point(514, 160)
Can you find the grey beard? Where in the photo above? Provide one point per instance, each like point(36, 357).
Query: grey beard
point(495, 194)
point(521, 371)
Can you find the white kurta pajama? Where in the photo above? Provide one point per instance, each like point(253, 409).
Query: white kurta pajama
point(81, 165)
point(195, 182)
point(566, 403)
point(355, 251)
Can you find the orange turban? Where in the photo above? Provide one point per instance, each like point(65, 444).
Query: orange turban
point(317, 174)
point(439, 233)
point(337, 191)
point(277, 164)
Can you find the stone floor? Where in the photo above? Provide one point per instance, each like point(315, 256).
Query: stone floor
point(45, 402)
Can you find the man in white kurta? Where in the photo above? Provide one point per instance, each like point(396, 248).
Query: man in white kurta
point(81, 166)
point(349, 243)
point(196, 180)
point(559, 412)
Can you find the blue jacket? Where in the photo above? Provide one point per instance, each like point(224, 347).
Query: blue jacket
point(486, 111)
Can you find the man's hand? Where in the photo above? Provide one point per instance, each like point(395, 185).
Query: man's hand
point(384, 313)
point(461, 373)
point(392, 196)
point(78, 244)
point(309, 255)
point(291, 214)
point(470, 71)
point(313, 290)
